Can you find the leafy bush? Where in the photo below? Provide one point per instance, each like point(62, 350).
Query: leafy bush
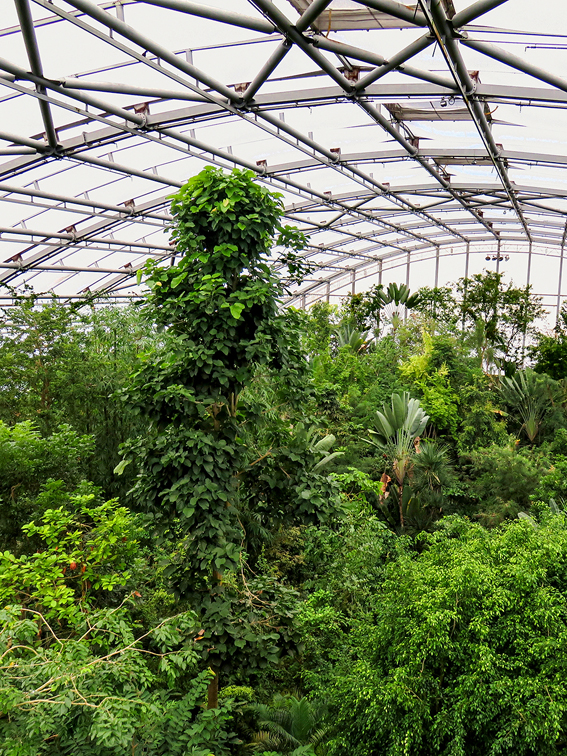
point(27, 461)
point(502, 479)
point(461, 652)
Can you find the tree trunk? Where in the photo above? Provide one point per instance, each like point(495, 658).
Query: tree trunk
point(401, 503)
point(213, 692)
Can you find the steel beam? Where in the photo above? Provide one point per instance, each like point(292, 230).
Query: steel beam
point(395, 61)
point(267, 69)
point(43, 84)
point(40, 147)
point(28, 33)
point(497, 53)
point(447, 43)
point(65, 269)
point(127, 212)
point(82, 237)
point(357, 53)
point(222, 16)
point(311, 14)
point(474, 11)
point(128, 89)
point(148, 44)
point(397, 10)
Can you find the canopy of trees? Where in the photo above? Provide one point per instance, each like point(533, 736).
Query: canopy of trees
point(227, 527)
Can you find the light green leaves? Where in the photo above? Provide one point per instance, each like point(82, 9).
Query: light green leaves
point(236, 310)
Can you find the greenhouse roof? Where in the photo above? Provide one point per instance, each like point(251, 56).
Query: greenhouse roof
point(415, 143)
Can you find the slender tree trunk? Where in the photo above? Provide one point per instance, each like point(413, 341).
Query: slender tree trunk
point(401, 503)
point(213, 692)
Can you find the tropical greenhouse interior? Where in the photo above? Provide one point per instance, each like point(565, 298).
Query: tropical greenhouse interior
point(283, 360)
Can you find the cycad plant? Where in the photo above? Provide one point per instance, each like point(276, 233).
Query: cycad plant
point(531, 396)
point(290, 723)
point(397, 429)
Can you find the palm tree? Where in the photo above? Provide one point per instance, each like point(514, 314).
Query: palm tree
point(290, 723)
point(398, 429)
point(531, 395)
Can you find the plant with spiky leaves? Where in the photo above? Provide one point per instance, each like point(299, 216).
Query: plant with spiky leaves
point(398, 428)
point(530, 395)
point(290, 723)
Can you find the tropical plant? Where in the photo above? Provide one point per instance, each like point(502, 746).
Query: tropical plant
point(550, 355)
point(530, 395)
point(501, 480)
point(348, 336)
point(287, 485)
point(290, 723)
point(370, 309)
point(398, 429)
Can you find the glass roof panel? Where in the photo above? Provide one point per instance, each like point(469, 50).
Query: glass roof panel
point(416, 142)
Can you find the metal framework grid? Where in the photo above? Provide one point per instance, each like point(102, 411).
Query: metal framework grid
point(84, 198)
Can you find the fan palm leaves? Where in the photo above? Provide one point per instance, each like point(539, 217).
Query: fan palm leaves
point(397, 428)
point(393, 297)
point(290, 723)
point(531, 396)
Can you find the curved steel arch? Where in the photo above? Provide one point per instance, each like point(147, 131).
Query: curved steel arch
point(358, 222)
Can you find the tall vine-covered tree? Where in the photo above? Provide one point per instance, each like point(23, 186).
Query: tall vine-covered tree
point(219, 310)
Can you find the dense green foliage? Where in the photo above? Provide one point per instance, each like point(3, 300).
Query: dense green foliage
point(227, 527)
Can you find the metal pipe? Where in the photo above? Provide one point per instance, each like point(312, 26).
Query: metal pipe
point(474, 11)
point(127, 212)
point(25, 141)
point(64, 269)
point(283, 24)
point(148, 44)
point(30, 41)
point(44, 83)
point(7, 151)
point(109, 165)
point(515, 62)
point(444, 34)
point(222, 16)
point(397, 10)
point(267, 69)
point(128, 89)
point(396, 60)
point(78, 237)
point(357, 53)
point(311, 14)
